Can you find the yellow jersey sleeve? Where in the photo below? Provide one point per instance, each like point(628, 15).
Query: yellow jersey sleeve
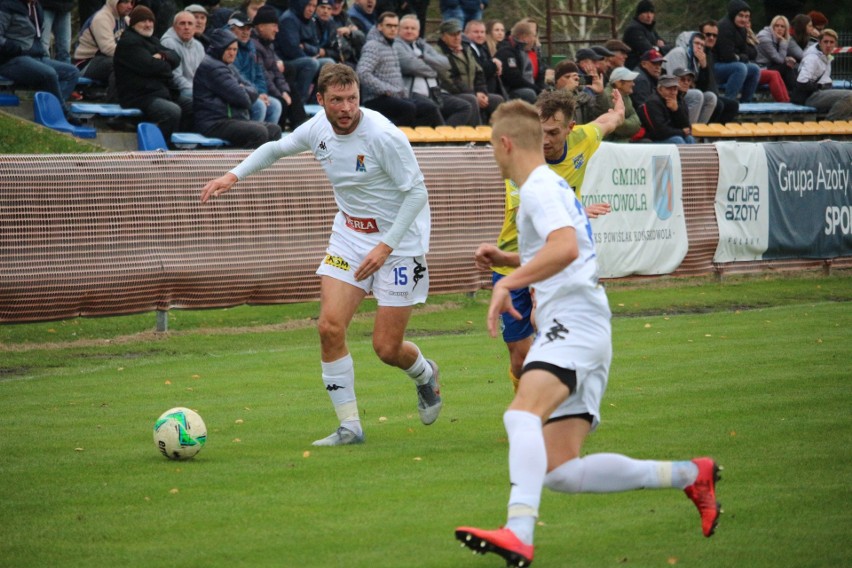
point(508, 239)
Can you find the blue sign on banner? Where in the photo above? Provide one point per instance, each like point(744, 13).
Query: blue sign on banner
point(810, 199)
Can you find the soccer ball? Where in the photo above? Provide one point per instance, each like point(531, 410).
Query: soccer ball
point(179, 433)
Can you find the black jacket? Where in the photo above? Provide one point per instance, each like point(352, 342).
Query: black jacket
point(732, 44)
point(517, 67)
point(641, 38)
point(660, 123)
point(139, 76)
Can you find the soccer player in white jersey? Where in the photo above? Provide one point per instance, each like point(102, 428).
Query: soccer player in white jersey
point(378, 242)
point(565, 373)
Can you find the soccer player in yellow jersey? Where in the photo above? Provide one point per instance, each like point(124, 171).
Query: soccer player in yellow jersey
point(567, 150)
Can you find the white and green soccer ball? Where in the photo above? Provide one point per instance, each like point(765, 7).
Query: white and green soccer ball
point(180, 433)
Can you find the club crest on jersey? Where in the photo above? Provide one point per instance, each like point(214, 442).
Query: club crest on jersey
point(360, 166)
point(578, 161)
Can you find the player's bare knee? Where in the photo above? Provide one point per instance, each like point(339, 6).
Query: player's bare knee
point(387, 352)
point(331, 332)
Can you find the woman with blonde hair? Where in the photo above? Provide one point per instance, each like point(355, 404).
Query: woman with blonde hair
point(495, 32)
point(774, 50)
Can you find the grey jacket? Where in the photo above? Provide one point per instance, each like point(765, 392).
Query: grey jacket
point(379, 70)
point(191, 55)
point(426, 66)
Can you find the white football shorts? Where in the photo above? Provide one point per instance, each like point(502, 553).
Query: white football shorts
point(588, 351)
point(401, 281)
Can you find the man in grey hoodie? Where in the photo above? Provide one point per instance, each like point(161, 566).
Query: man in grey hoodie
point(181, 38)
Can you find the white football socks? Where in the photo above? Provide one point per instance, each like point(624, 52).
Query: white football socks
point(527, 467)
point(421, 371)
point(339, 379)
point(608, 473)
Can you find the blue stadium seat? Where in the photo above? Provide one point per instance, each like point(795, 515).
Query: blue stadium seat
point(8, 96)
point(103, 109)
point(47, 111)
point(149, 137)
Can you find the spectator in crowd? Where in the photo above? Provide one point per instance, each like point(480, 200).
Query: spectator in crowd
point(700, 106)
point(773, 50)
point(542, 73)
point(802, 33)
point(587, 60)
point(819, 21)
point(769, 77)
point(495, 33)
point(641, 34)
point(247, 64)
point(22, 56)
point(681, 62)
point(814, 85)
point(620, 52)
point(650, 68)
point(363, 15)
point(350, 40)
point(164, 14)
point(298, 45)
point(518, 75)
point(250, 8)
point(200, 13)
point(143, 75)
point(57, 26)
point(218, 14)
point(464, 77)
point(265, 27)
point(586, 100)
point(462, 10)
point(181, 38)
point(382, 87)
point(223, 99)
point(421, 64)
point(664, 115)
point(603, 64)
point(621, 80)
point(475, 38)
point(699, 57)
point(97, 40)
point(734, 54)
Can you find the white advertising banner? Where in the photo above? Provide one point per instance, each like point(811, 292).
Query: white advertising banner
point(742, 204)
point(646, 232)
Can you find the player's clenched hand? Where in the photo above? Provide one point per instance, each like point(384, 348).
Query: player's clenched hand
point(218, 186)
point(501, 302)
point(373, 261)
point(485, 256)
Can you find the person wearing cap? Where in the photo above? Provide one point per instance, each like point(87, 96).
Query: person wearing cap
point(382, 86)
point(164, 14)
point(699, 105)
point(421, 64)
point(97, 40)
point(518, 76)
point(298, 44)
point(814, 84)
point(568, 77)
point(181, 38)
point(664, 114)
point(650, 68)
point(201, 15)
point(621, 79)
point(603, 66)
point(223, 98)
point(641, 34)
point(143, 76)
point(587, 60)
point(264, 30)
point(619, 50)
point(22, 57)
point(265, 108)
point(735, 67)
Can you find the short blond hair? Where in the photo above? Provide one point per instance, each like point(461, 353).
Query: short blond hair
point(519, 121)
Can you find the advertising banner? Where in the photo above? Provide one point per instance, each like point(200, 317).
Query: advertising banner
point(742, 202)
point(810, 201)
point(646, 232)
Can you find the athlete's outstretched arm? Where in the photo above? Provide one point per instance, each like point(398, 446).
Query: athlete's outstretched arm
point(614, 117)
